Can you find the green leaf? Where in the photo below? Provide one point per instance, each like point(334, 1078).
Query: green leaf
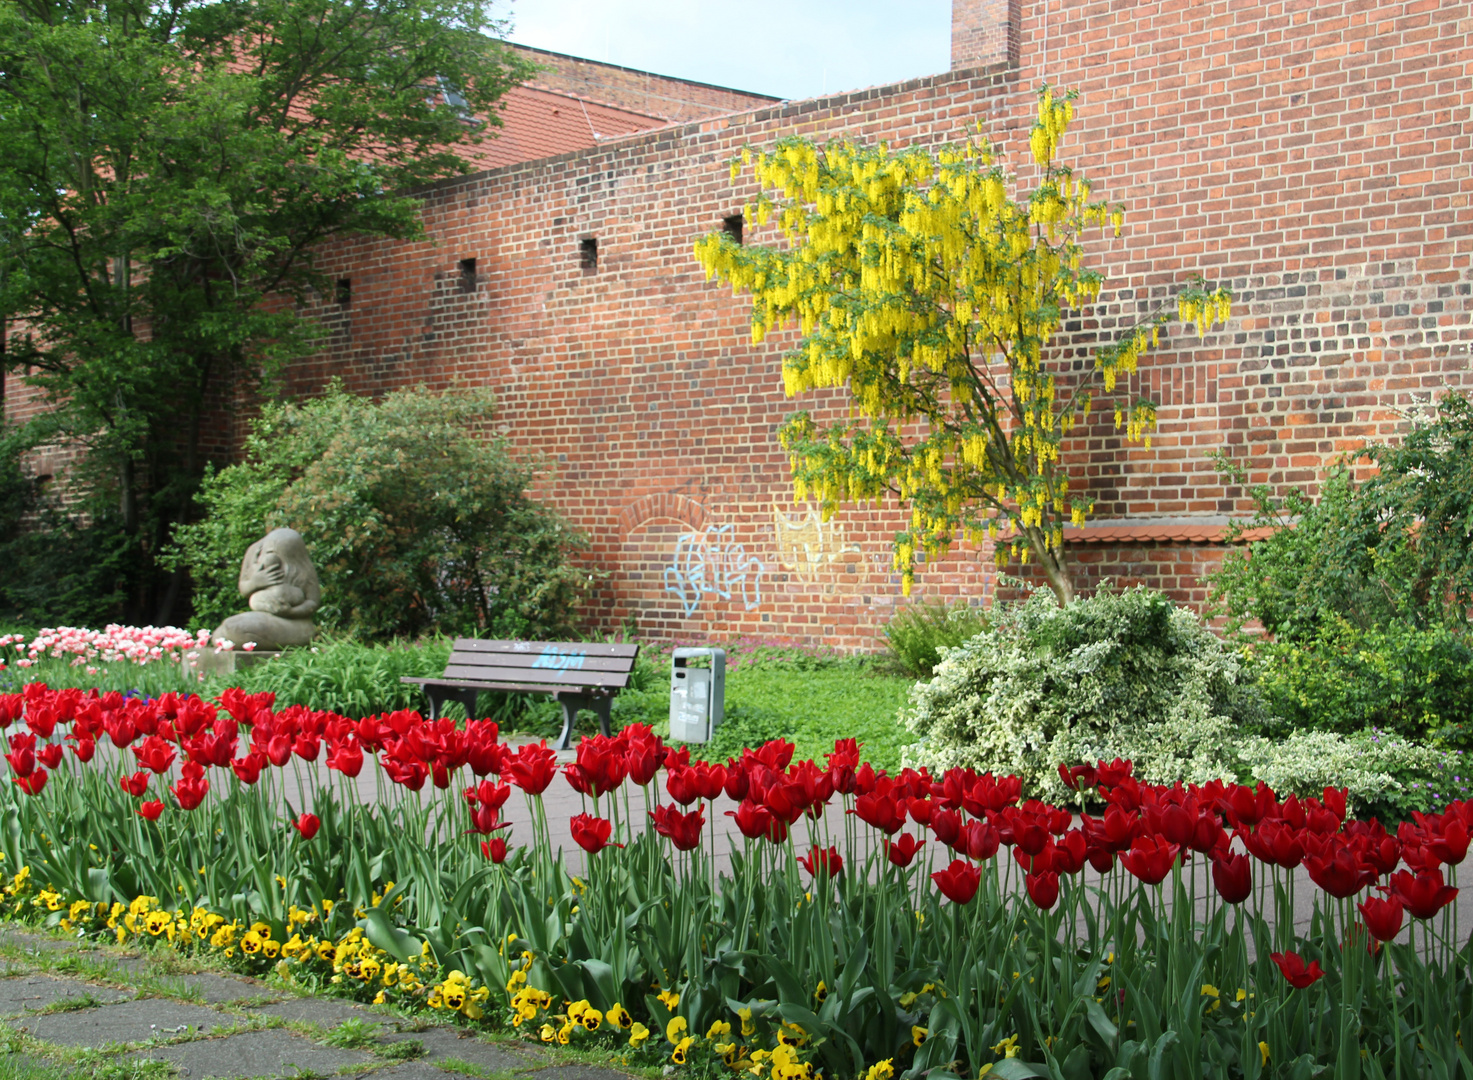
point(388, 937)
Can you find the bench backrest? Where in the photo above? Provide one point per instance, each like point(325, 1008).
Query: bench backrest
point(542, 663)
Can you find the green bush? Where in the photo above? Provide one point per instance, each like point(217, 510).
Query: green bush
point(1394, 549)
point(1125, 673)
point(1410, 681)
point(916, 634)
point(356, 679)
point(415, 522)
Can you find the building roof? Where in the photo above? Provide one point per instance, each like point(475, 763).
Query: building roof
point(538, 123)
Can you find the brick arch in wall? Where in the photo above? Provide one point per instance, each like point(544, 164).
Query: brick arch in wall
point(679, 507)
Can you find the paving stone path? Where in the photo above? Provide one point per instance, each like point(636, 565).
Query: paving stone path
point(66, 1007)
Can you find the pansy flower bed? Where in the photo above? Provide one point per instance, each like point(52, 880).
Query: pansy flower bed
point(858, 924)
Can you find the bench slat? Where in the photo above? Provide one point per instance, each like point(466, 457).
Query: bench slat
point(478, 685)
point(534, 648)
point(536, 676)
point(535, 664)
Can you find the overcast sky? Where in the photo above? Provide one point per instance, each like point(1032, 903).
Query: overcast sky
point(786, 48)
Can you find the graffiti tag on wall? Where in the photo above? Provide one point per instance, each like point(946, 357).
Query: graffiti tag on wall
point(805, 542)
point(712, 562)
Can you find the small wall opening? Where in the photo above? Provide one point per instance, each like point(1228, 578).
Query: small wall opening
point(732, 226)
point(343, 292)
point(467, 275)
point(588, 254)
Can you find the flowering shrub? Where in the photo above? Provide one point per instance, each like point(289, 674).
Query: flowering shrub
point(117, 657)
point(869, 924)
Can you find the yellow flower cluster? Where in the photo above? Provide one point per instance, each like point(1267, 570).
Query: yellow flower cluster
point(459, 993)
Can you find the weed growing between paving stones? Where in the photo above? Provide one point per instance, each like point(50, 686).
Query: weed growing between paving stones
point(352, 1034)
point(823, 949)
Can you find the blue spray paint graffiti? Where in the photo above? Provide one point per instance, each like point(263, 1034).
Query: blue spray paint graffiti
point(711, 562)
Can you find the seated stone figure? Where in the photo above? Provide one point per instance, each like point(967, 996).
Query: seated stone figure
point(277, 576)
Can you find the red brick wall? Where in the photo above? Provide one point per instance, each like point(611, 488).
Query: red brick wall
point(1315, 156)
point(676, 100)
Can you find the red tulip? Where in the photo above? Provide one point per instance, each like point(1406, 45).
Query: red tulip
point(531, 768)
point(1232, 875)
point(192, 786)
point(1383, 917)
point(134, 785)
point(603, 763)
point(1424, 895)
point(681, 786)
point(738, 783)
point(1292, 965)
point(1113, 774)
point(248, 769)
point(683, 830)
point(84, 748)
point(1339, 870)
point(1449, 846)
point(1079, 775)
point(494, 849)
point(959, 881)
point(818, 861)
point(11, 707)
point(32, 784)
point(591, 833)
point(155, 755)
point(151, 810)
point(643, 759)
point(22, 754)
point(981, 839)
point(947, 825)
point(347, 758)
point(880, 811)
point(1150, 859)
point(50, 756)
point(902, 852)
point(306, 824)
point(1043, 888)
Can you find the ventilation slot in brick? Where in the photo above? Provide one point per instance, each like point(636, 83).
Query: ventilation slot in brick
point(343, 293)
point(467, 275)
point(732, 227)
point(588, 255)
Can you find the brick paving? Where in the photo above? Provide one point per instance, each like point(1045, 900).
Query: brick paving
point(59, 1000)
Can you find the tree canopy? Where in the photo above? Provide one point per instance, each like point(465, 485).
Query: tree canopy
point(920, 280)
point(166, 167)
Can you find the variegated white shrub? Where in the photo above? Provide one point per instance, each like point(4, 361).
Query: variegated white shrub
point(1127, 674)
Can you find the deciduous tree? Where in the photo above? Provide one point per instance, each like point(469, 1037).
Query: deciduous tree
point(166, 166)
point(932, 286)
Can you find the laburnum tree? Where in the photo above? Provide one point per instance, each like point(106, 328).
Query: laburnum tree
point(166, 168)
point(932, 285)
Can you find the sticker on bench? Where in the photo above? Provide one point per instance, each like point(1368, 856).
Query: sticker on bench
point(560, 661)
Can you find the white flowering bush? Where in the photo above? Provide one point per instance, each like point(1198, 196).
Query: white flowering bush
point(1125, 674)
point(1386, 775)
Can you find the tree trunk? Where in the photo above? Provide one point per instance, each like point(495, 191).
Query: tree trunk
point(1054, 564)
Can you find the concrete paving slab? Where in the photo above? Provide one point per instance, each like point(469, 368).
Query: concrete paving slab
point(317, 1011)
point(126, 1022)
point(441, 1043)
point(28, 993)
point(413, 1070)
point(252, 1055)
point(32, 943)
point(222, 989)
point(123, 965)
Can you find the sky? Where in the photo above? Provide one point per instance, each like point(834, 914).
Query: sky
point(786, 48)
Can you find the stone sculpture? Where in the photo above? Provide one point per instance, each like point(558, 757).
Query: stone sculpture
point(277, 577)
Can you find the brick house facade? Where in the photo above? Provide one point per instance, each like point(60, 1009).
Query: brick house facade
point(1313, 155)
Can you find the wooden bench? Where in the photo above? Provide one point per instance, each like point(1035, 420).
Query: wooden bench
point(579, 675)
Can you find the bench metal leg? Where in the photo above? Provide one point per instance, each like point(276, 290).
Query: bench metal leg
point(440, 695)
point(573, 704)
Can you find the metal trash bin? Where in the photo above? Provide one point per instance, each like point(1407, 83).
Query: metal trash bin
point(697, 694)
